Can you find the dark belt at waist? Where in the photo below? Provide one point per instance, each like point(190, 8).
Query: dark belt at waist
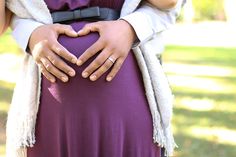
point(91, 14)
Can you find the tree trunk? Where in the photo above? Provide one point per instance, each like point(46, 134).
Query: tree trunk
point(188, 12)
point(230, 11)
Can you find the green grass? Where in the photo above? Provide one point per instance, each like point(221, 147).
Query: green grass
point(204, 84)
point(8, 44)
point(201, 56)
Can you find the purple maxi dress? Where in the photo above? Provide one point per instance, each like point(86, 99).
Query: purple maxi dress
point(93, 119)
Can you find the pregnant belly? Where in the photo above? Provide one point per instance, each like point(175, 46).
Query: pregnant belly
point(86, 94)
point(78, 45)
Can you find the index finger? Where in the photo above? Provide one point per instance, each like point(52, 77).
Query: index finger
point(66, 29)
point(63, 52)
point(91, 51)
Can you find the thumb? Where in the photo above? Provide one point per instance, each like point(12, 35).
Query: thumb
point(92, 27)
point(67, 30)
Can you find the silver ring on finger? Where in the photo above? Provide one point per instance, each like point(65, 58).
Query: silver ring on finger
point(46, 63)
point(111, 59)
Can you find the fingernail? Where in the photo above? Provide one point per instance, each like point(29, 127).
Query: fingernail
point(72, 73)
point(74, 60)
point(53, 80)
point(64, 79)
point(109, 79)
point(93, 77)
point(79, 62)
point(79, 32)
point(85, 74)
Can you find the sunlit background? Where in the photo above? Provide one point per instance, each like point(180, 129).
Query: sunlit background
point(200, 61)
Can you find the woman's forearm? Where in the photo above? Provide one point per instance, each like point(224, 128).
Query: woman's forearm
point(2, 15)
point(5, 17)
point(163, 4)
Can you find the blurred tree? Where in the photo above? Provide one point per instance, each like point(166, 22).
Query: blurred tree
point(189, 12)
point(209, 9)
point(230, 8)
point(198, 10)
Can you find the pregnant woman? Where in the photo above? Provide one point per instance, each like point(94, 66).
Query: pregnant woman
point(102, 110)
point(82, 118)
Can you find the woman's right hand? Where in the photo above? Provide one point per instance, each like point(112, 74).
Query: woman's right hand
point(46, 51)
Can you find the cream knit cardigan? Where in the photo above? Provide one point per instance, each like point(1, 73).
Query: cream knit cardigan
point(25, 103)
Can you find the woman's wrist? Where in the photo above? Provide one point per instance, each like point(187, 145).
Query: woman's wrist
point(130, 29)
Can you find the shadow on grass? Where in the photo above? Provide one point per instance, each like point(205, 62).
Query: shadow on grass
point(5, 94)
point(204, 61)
point(211, 118)
point(201, 55)
point(227, 79)
point(3, 119)
point(6, 91)
point(198, 147)
point(205, 118)
point(219, 97)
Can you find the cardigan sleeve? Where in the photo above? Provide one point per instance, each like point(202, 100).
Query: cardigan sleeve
point(148, 21)
point(22, 29)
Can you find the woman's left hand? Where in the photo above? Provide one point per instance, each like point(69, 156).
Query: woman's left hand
point(115, 41)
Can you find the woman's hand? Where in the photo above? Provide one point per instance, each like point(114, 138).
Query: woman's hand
point(46, 51)
point(114, 44)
